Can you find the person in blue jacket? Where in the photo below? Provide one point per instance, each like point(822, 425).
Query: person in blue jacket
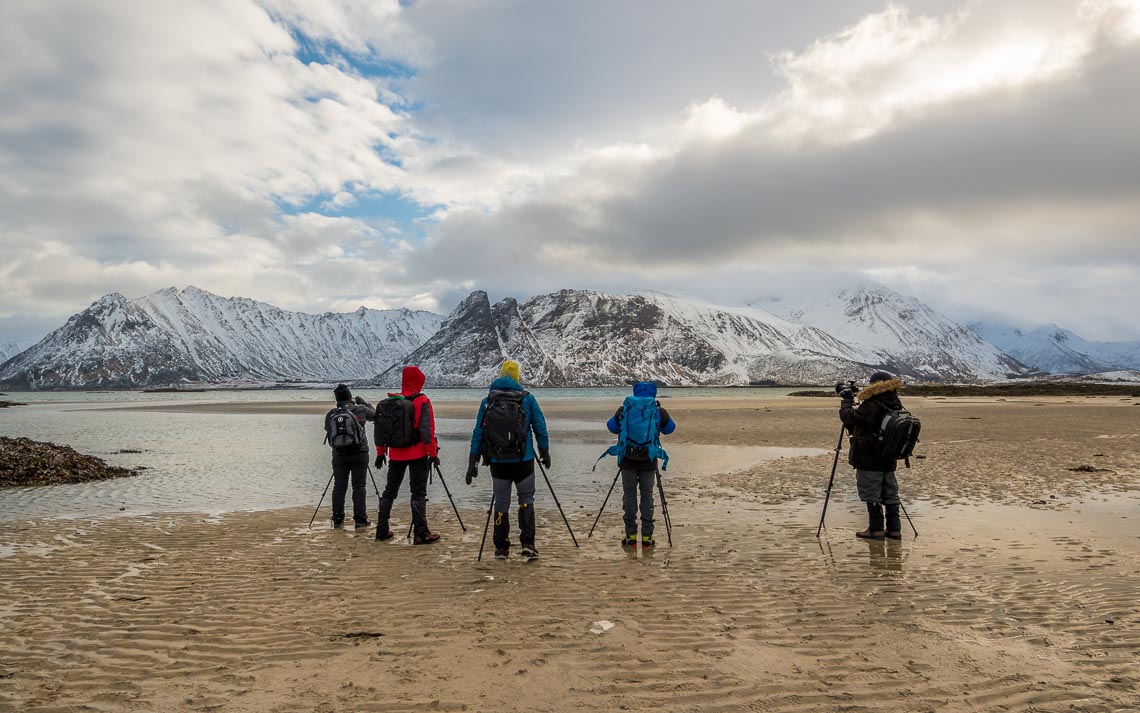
point(639, 474)
point(508, 417)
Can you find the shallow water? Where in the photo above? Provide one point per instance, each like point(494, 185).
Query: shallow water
point(216, 463)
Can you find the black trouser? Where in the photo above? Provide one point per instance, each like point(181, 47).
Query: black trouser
point(418, 479)
point(344, 464)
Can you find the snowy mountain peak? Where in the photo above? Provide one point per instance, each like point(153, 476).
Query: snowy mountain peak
point(905, 335)
point(173, 336)
point(581, 338)
point(1056, 350)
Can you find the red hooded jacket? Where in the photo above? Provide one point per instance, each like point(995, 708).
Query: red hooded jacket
point(411, 381)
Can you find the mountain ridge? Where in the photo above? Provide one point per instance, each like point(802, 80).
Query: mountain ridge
point(565, 338)
point(172, 336)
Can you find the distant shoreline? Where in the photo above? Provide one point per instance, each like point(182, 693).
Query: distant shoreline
point(1027, 389)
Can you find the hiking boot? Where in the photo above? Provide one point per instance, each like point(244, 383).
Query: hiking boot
point(629, 540)
point(501, 554)
point(381, 535)
point(647, 541)
point(364, 524)
point(870, 534)
point(337, 524)
point(529, 552)
point(894, 535)
point(430, 539)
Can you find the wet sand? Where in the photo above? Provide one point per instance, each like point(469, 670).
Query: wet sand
point(1010, 598)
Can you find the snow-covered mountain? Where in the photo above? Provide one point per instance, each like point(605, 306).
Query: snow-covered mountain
point(1059, 351)
point(580, 338)
point(11, 348)
point(906, 336)
point(174, 336)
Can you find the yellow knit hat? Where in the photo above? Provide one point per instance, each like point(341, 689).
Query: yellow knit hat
point(511, 369)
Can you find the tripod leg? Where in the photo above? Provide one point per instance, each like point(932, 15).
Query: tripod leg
point(374, 486)
point(551, 488)
point(446, 490)
point(831, 480)
point(487, 526)
point(599, 517)
point(665, 510)
point(320, 502)
point(908, 518)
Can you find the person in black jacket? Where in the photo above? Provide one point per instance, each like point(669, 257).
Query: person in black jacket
point(874, 473)
point(351, 461)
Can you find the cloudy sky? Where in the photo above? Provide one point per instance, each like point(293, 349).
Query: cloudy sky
point(981, 155)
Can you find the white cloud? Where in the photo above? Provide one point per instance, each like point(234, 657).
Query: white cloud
point(608, 145)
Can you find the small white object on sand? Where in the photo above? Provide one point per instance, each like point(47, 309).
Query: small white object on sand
point(601, 627)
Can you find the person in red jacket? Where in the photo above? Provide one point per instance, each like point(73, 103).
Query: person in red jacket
point(416, 458)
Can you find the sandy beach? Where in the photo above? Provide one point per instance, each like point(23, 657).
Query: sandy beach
point(1022, 591)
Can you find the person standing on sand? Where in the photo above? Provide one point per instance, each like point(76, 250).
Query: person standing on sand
point(419, 453)
point(349, 459)
point(508, 416)
point(642, 417)
point(874, 473)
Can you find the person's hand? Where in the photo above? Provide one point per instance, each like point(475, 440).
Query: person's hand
point(360, 400)
point(380, 459)
point(472, 469)
point(847, 394)
point(544, 457)
point(434, 461)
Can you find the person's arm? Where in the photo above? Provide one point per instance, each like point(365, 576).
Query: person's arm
point(427, 428)
point(667, 425)
point(614, 424)
point(477, 433)
point(854, 416)
point(364, 410)
point(537, 423)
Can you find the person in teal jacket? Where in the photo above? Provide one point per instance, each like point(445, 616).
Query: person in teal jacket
point(508, 418)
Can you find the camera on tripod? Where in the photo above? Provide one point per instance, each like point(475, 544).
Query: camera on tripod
point(849, 385)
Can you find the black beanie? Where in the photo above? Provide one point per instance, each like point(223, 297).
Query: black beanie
point(342, 393)
point(880, 376)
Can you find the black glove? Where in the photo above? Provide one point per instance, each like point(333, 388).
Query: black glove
point(433, 461)
point(472, 468)
point(847, 394)
point(544, 457)
point(380, 458)
point(360, 401)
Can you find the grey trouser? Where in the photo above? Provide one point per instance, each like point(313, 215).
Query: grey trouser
point(502, 488)
point(877, 486)
point(631, 482)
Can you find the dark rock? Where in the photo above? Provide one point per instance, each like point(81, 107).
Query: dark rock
point(24, 462)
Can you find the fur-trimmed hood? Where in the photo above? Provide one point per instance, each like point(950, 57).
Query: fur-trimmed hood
point(879, 387)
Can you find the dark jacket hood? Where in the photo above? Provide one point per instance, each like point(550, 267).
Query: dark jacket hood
point(645, 389)
point(411, 381)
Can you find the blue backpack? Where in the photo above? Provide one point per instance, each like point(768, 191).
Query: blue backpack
point(640, 436)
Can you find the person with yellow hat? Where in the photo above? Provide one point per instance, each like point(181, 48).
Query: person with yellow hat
point(508, 418)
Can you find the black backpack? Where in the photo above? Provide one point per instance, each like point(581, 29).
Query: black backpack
point(343, 430)
point(898, 435)
point(396, 425)
point(504, 426)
